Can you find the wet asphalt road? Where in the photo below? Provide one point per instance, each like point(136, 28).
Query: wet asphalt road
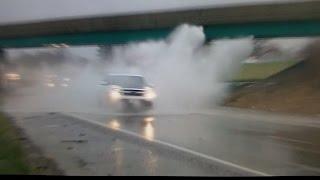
point(81, 149)
point(258, 142)
point(268, 147)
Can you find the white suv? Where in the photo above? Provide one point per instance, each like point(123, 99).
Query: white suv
point(126, 88)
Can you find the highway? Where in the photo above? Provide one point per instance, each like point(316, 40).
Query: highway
point(61, 105)
point(210, 142)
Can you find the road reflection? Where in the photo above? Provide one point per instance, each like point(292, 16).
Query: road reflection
point(114, 124)
point(151, 161)
point(144, 125)
point(119, 157)
point(148, 131)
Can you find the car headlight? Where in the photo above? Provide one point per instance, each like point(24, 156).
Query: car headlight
point(51, 85)
point(66, 79)
point(150, 93)
point(64, 85)
point(12, 76)
point(115, 93)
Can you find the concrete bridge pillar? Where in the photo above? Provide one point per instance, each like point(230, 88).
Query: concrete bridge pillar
point(2, 53)
point(2, 66)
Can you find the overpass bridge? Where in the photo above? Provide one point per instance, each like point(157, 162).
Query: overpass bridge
point(290, 19)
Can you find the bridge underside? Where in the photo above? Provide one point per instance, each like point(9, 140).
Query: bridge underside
point(258, 30)
point(296, 19)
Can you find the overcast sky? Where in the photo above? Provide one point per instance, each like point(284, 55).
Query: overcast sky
point(31, 10)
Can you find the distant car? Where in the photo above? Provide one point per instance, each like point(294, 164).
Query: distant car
point(11, 80)
point(54, 81)
point(126, 88)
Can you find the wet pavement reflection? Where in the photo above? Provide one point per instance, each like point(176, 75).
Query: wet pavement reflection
point(148, 131)
point(266, 146)
point(277, 149)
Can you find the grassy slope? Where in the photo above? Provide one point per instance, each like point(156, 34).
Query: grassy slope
point(12, 158)
point(296, 90)
point(259, 71)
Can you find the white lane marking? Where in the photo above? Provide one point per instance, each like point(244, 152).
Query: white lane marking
point(179, 148)
point(290, 140)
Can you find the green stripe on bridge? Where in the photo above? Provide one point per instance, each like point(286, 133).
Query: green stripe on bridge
point(258, 30)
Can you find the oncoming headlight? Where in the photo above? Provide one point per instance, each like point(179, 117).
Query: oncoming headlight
point(150, 93)
point(115, 93)
point(51, 85)
point(64, 85)
point(13, 76)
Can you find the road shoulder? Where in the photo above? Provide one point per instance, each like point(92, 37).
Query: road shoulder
point(19, 154)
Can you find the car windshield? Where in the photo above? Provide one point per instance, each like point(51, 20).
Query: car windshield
point(126, 81)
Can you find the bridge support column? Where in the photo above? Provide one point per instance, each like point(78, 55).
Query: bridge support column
point(2, 66)
point(2, 53)
point(3, 56)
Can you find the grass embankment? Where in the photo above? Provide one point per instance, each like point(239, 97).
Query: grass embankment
point(12, 157)
point(259, 71)
point(296, 90)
